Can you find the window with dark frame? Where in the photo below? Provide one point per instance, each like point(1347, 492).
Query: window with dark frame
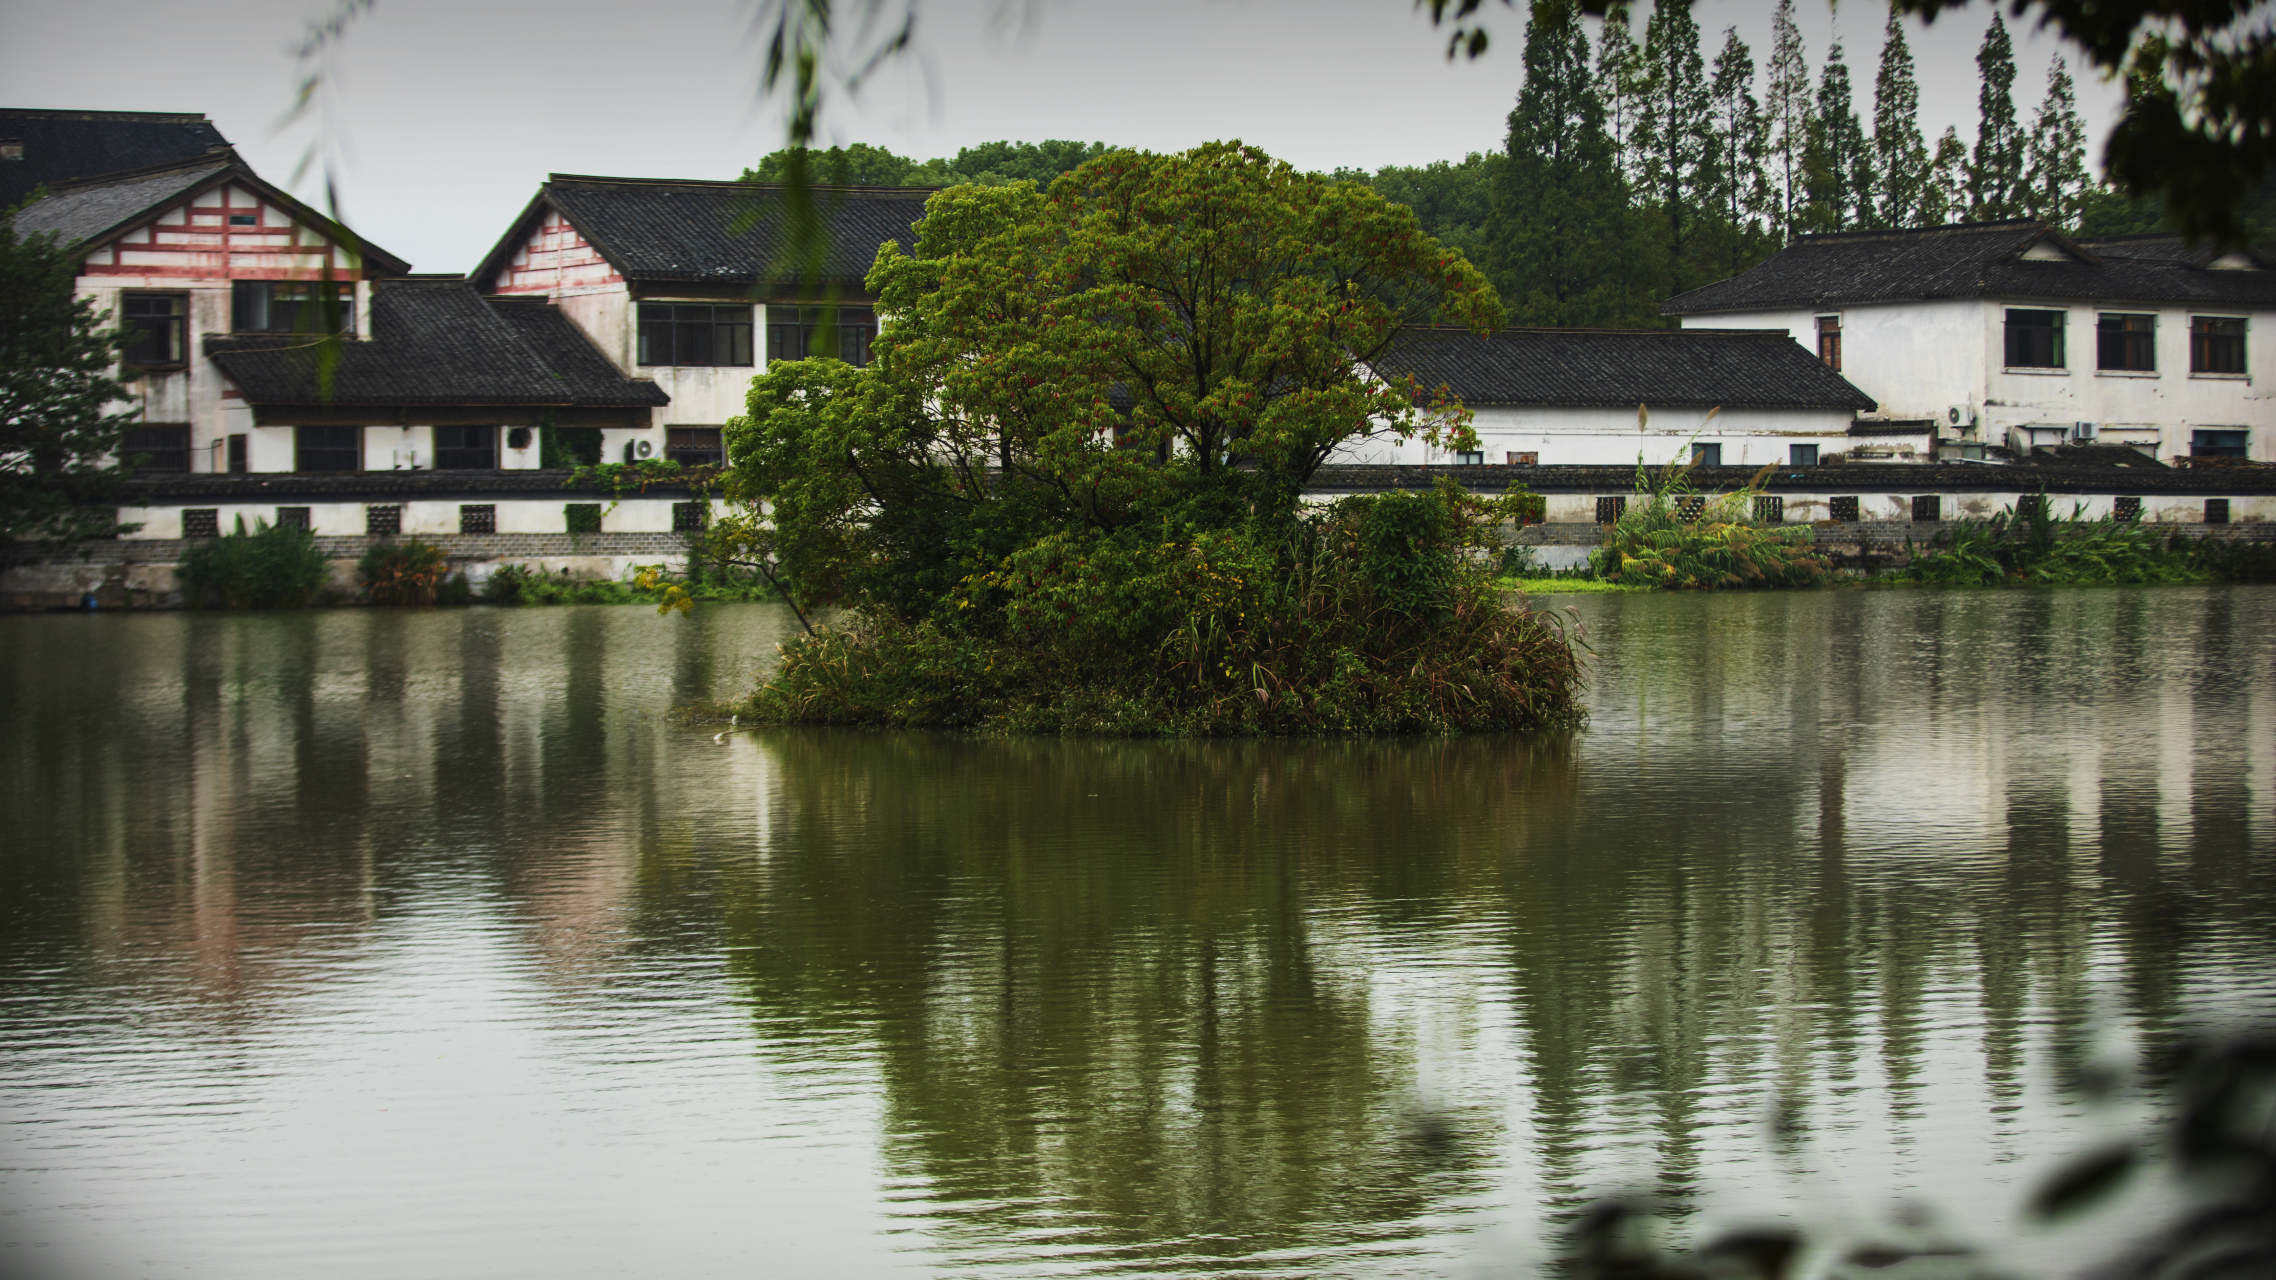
point(1524, 459)
point(328, 448)
point(292, 517)
point(2029, 506)
point(2126, 509)
point(478, 518)
point(2035, 339)
point(1690, 507)
point(1707, 455)
point(1829, 341)
point(690, 517)
point(1801, 455)
point(695, 446)
point(161, 448)
point(1843, 509)
point(383, 521)
point(2216, 443)
point(466, 448)
point(237, 452)
point(156, 329)
point(2216, 344)
point(201, 522)
point(1469, 457)
point(1927, 508)
point(693, 334)
point(2126, 343)
point(288, 306)
point(795, 333)
point(1609, 510)
point(1770, 509)
point(2216, 511)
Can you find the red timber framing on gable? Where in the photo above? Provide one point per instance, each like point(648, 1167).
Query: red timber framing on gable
point(552, 260)
point(225, 232)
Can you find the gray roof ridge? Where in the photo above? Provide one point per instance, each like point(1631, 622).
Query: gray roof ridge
point(136, 117)
point(1941, 228)
point(734, 184)
point(218, 158)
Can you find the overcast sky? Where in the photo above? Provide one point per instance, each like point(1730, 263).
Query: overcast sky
point(452, 111)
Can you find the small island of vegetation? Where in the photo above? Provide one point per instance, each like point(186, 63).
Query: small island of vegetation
point(1065, 493)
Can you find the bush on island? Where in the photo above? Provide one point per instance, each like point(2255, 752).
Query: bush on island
point(1064, 494)
point(1676, 538)
point(276, 566)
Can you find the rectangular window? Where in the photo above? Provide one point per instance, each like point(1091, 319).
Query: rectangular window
point(292, 517)
point(466, 448)
point(694, 334)
point(201, 522)
point(328, 448)
point(1469, 457)
point(1706, 455)
point(694, 446)
point(2034, 339)
point(289, 306)
point(2216, 511)
point(1801, 455)
point(237, 462)
point(1769, 509)
point(2126, 343)
point(383, 521)
point(1843, 509)
point(1609, 510)
point(2216, 344)
point(160, 448)
point(689, 517)
point(795, 333)
point(581, 517)
point(2029, 506)
point(1829, 341)
point(1690, 507)
point(1928, 508)
point(478, 518)
point(2126, 509)
point(1517, 459)
point(2217, 444)
point(156, 328)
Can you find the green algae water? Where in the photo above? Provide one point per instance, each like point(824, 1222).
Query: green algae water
point(384, 943)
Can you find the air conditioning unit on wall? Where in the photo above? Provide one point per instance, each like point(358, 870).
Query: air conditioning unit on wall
point(2083, 431)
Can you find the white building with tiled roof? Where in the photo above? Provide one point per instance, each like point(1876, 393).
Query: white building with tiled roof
point(2013, 335)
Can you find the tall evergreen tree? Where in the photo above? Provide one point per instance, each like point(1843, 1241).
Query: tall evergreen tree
point(1900, 157)
point(1838, 166)
point(1557, 225)
point(1742, 133)
point(1787, 107)
point(1675, 141)
point(1620, 81)
point(2055, 182)
point(1945, 197)
point(1995, 174)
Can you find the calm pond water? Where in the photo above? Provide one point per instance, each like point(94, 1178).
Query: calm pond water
point(373, 943)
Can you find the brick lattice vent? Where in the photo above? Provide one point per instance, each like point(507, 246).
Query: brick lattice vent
point(478, 518)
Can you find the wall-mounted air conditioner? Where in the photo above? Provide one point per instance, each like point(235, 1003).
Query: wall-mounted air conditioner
point(2083, 431)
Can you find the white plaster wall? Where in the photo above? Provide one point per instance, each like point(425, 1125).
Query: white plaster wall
point(425, 517)
point(1611, 437)
point(1921, 359)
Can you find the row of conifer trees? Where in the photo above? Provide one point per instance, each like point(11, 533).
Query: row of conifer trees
point(1636, 168)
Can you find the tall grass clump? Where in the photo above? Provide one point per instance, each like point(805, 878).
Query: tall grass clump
point(2032, 548)
point(404, 574)
point(1675, 538)
point(1373, 615)
point(273, 567)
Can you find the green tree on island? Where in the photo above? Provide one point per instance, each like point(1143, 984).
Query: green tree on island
point(1995, 173)
point(59, 449)
point(1064, 495)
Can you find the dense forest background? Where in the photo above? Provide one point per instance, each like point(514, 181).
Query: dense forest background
point(1637, 164)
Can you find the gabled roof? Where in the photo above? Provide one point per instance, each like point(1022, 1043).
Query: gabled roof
point(437, 342)
point(669, 231)
point(2019, 259)
point(94, 211)
point(68, 146)
point(1622, 368)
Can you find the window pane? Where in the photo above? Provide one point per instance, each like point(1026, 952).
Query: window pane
point(2126, 343)
point(731, 334)
point(328, 448)
point(691, 338)
point(249, 306)
point(162, 448)
point(655, 334)
point(466, 448)
point(2216, 344)
point(694, 446)
point(2034, 339)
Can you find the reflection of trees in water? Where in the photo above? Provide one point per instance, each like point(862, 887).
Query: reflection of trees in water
point(1098, 978)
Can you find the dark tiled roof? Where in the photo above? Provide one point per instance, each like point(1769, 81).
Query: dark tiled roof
point(716, 232)
point(434, 343)
point(66, 146)
point(86, 212)
point(1853, 477)
point(1979, 260)
point(1622, 368)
